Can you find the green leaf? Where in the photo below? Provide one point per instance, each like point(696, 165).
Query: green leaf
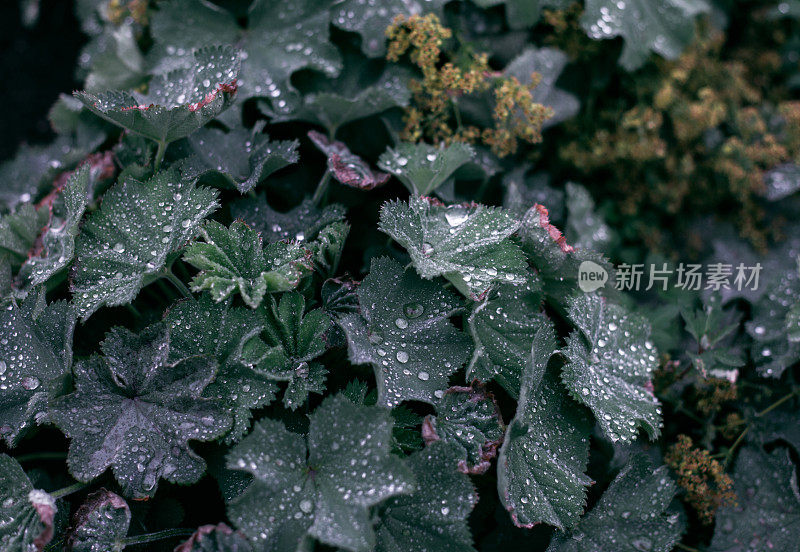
point(35, 359)
point(232, 260)
point(26, 514)
point(327, 249)
point(293, 340)
point(216, 538)
point(130, 241)
point(611, 361)
point(370, 20)
point(19, 230)
point(113, 60)
point(238, 159)
point(793, 324)
point(521, 14)
point(434, 518)
point(665, 27)
point(503, 326)
point(58, 238)
point(345, 166)
point(585, 228)
point(404, 332)
point(545, 245)
point(541, 469)
point(631, 516)
point(177, 103)
point(469, 419)
point(203, 327)
point(767, 516)
point(135, 411)
point(310, 486)
point(467, 244)
point(279, 40)
point(548, 63)
point(422, 167)
point(300, 223)
point(101, 524)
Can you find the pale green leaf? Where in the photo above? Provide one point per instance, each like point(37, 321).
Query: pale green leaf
point(422, 167)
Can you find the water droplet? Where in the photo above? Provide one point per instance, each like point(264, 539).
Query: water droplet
point(413, 310)
point(424, 376)
point(402, 357)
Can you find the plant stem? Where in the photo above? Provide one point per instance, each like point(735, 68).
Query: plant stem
point(322, 187)
point(74, 488)
point(162, 149)
point(687, 548)
point(40, 456)
point(175, 281)
point(158, 535)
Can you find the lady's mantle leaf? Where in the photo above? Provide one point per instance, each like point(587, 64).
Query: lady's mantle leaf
point(232, 260)
point(630, 517)
point(280, 38)
point(101, 524)
point(301, 223)
point(434, 518)
point(127, 243)
point(19, 230)
point(370, 19)
point(767, 516)
point(237, 159)
point(610, 364)
point(422, 167)
point(345, 166)
point(134, 410)
point(322, 485)
point(292, 341)
point(540, 471)
point(26, 514)
point(467, 244)
point(404, 332)
point(203, 327)
point(503, 326)
point(35, 357)
point(58, 239)
point(216, 538)
point(467, 418)
point(177, 103)
point(662, 26)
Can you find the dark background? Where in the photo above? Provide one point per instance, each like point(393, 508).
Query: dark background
point(36, 65)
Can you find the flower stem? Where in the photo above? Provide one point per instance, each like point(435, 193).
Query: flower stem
point(162, 149)
point(158, 535)
point(175, 281)
point(322, 187)
point(74, 488)
point(40, 456)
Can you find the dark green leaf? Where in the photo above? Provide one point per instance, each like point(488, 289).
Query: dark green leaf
point(216, 538)
point(19, 230)
point(585, 228)
point(300, 223)
point(101, 524)
point(404, 332)
point(129, 241)
point(26, 514)
point(135, 411)
point(422, 167)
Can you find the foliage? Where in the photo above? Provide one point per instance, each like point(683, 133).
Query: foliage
point(317, 275)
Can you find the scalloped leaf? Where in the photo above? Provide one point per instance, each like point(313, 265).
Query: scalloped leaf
point(467, 244)
point(370, 20)
point(767, 516)
point(404, 332)
point(216, 538)
point(541, 469)
point(100, 524)
point(422, 167)
point(345, 166)
point(237, 159)
point(228, 335)
point(26, 514)
point(300, 223)
point(138, 230)
point(631, 516)
point(585, 228)
point(232, 260)
point(469, 419)
point(35, 359)
point(434, 518)
point(611, 362)
point(292, 340)
point(503, 326)
point(309, 486)
point(280, 39)
point(135, 411)
point(177, 103)
point(665, 27)
point(19, 230)
point(57, 247)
